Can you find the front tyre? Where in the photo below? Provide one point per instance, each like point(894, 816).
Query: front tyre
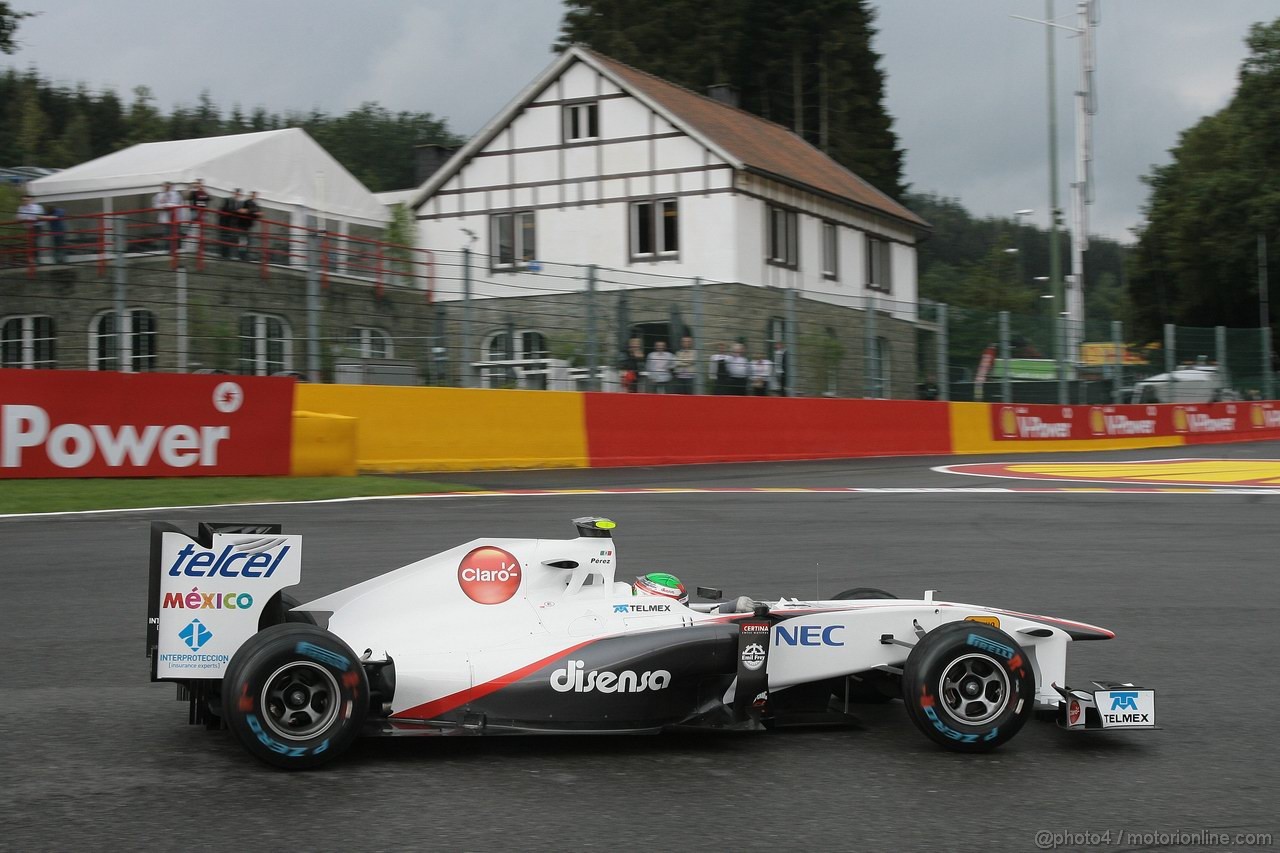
point(295, 695)
point(968, 686)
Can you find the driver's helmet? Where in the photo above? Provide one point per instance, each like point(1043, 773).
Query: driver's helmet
point(661, 583)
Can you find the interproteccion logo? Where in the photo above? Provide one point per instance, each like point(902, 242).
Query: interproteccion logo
point(195, 635)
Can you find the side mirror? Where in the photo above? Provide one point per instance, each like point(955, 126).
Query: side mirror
point(710, 593)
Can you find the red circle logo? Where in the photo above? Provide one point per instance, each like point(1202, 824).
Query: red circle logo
point(489, 575)
point(1074, 712)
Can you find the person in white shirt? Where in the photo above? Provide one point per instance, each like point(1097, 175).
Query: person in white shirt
point(167, 203)
point(762, 378)
point(686, 366)
point(739, 369)
point(658, 365)
point(32, 216)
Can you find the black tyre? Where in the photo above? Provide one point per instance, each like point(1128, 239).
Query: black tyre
point(862, 592)
point(295, 695)
point(968, 686)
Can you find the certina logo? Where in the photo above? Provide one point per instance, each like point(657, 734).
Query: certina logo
point(228, 397)
point(197, 600)
point(71, 445)
point(642, 608)
point(755, 627)
point(575, 679)
point(252, 558)
point(195, 635)
point(489, 575)
point(753, 656)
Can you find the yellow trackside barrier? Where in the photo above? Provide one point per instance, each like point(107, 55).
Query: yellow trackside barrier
point(323, 445)
point(971, 432)
point(456, 429)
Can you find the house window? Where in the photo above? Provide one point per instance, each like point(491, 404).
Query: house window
point(266, 345)
point(513, 239)
point(784, 239)
point(28, 342)
point(830, 251)
point(879, 264)
point(139, 342)
point(519, 351)
point(368, 342)
point(581, 122)
point(655, 229)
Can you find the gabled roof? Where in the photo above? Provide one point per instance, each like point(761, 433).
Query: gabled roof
point(744, 140)
point(284, 166)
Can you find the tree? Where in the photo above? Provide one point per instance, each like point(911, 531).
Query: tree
point(9, 19)
point(1196, 258)
point(806, 64)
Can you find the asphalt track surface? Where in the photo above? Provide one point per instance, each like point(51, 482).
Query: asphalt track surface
point(95, 757)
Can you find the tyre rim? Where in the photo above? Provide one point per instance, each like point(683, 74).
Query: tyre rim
point(300, 700)
point(974, 689)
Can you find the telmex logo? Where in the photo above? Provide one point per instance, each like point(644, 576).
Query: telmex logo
point(75, 445)
point(489, 575)
point(573, 679)
point(807, 635)
point(250, 559)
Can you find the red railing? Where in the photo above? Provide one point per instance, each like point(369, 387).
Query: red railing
point(197, 235)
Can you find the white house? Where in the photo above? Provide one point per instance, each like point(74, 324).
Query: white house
point(596, 162)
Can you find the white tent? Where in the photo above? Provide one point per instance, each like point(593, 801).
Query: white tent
point(289, 170)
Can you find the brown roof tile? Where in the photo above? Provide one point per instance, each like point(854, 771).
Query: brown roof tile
point(760, 144)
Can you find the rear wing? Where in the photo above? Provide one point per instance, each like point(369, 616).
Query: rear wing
point(207, 593)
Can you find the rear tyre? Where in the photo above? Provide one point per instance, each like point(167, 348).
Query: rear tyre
point(295, 696)
point(968, 686)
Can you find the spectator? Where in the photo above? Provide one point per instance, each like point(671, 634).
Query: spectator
point(658, 366)
point(167, 203)
point(229, 223)
point(781, 367)
point(685, 366)
point(197, 203)
point(32, 216)
point(630, 366)
point(928, 389)
point(739, 370)
point(718, 370)
point(762, 381)
point(250, 213)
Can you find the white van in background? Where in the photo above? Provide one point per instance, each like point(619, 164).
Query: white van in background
point(1199, 383)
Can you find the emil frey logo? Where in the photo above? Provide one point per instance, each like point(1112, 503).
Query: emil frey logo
point(489, 575)
point(195, 635)
point(1124, 701)
point(753, 656)
point(574, 679)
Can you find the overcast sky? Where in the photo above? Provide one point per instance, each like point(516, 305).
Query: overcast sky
point(966, 82)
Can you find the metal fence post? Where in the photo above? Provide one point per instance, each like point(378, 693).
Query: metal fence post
point(1220, 344)
point(1006, 382)
point(313, 302)
point(1268, 378)
point(119, 278)
point(1060, 335)
point(871, 358)
point(941, 343)
point(1117, 355)
point(181, 320)
point(466, 377)
point(790, 328)
point(1170, 358)
point(593, 343)
point(699, 374)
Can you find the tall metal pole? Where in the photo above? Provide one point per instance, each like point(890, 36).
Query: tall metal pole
point(593, 343)
point(183, 340)
point(944, 369)
point(699, 374)
point(313, 301)
point(1264, 320)
point(871, 357)
point(120, 279)
point(1117, 355)
point(1006, 382)
point(793, 349)
point(1055, 259)
point(467, 379)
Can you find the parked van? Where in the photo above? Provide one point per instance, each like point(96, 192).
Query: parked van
point(1200, 383)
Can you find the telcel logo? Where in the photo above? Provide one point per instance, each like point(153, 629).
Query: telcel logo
point(573, 679)
point(489, 575)
point(233, 561)
point(807, 635)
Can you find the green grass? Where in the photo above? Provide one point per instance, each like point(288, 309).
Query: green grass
point(111, 493)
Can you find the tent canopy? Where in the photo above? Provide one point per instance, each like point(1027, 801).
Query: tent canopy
point(287, 168)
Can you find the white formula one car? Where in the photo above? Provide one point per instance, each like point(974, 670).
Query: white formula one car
point(522, 636)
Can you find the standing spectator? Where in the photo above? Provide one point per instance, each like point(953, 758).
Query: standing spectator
point(167, 203)
point(738, 368)
point(781, 367)
point(32, 216)
point(630, 365)
point(718, 370)
point(658, 365)
point(762, 380)
point(685, 366)
point(229, 223)
point(197, 203)
point(250, 213)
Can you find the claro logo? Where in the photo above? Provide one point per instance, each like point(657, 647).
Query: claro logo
point(573, 679)
point(489, 575)
point(71, 445)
